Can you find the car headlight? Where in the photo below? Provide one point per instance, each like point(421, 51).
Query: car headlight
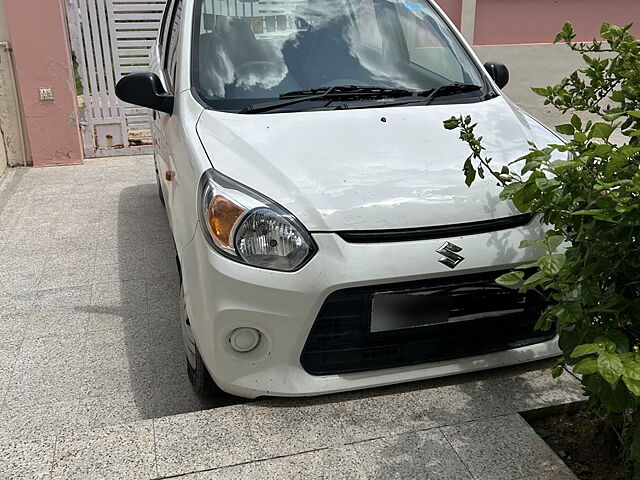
point(249, 228)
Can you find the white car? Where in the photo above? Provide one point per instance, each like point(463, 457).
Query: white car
point(326, 239)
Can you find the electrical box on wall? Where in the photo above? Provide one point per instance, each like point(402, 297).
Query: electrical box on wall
point(46, 94)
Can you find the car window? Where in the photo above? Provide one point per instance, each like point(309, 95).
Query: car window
point(171, 54)
point(162, 34)
point(248, 52)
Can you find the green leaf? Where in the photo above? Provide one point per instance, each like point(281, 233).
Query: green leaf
point(610, 367)
point(554, 242)
point(601, 130)
point(556, 371)
point(634, 113)
point(586, 366)
point(535, 279)
point(565, 129)
point(452, 123)
point(632, 385)
point(469, 172)
point(508, 191)
point(606, 343)
point(631, 369)
point(510, 279)
point(552, 264)
point(576, 122)
point(585, 349)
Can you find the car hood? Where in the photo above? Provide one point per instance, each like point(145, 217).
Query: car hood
point(368, 169)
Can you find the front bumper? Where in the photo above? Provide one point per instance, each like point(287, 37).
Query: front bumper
point(223, 295)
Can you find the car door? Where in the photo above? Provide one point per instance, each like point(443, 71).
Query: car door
point(162, 123)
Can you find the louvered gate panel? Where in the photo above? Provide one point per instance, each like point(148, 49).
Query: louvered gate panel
point(111, 38)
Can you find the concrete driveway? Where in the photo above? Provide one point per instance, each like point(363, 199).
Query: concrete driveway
point(92, 371)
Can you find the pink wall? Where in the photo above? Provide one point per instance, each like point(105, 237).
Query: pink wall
point(453, 9)
point(503, 22)
point(39, 40)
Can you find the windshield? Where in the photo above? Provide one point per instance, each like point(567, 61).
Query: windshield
point(250, 52)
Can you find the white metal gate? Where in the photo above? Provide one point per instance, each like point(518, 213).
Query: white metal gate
point(111, 38)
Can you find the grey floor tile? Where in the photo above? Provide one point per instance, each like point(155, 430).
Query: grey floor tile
point(534, 389)
point(285, 427)
point(69, 298)
point(562, 474)
point(425, 454)
point(39, 421)
point(123, 452)
point(334, 463)
point(26, 460)
point(248, 471)
point(65, 323)
point(42, 387)
point(501, 448)
point(203, 440)
point(66, 276)
point(12, 330)
point(49, 353)
point(113, 409)
point(14, 305)
point(380, 415)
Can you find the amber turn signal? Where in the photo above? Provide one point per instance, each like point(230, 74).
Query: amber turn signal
point(222, 216)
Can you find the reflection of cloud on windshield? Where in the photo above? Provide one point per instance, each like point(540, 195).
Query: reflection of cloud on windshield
point(381, 68)
point(231, 51)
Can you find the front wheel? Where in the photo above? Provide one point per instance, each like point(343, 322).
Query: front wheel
point(199, 376)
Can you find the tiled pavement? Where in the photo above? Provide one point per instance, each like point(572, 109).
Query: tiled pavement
point(92, 374)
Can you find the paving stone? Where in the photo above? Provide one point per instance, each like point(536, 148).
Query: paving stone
point(203, 440)
point(285, 427)
point(12, 329)
point(368, 417)
point(64, 323)
point(113, 409)
point(39, 421)
point(248, 471)
point(123, 452)
point(69, 298)
point(425, 454)
point(28, 460)
point(501, 448)
point(562, 474)
point(534, 389)
point(335, 463)
point(43, 386)
point(14, 305)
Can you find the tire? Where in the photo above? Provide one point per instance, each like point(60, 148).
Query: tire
point(160, 194)
point(199, 376)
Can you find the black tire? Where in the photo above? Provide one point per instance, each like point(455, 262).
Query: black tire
point(199, 376)
point(160, 194)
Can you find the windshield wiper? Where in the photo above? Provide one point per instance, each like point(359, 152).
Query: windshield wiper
point(343, 92)
point(356, 92)
point(428, 96)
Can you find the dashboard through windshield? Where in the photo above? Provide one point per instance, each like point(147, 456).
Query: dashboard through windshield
point(250, 52)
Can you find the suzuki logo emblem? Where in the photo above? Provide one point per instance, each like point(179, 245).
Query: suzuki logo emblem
point(450, 256)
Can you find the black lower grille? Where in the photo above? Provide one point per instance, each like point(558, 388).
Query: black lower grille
point(483, 317)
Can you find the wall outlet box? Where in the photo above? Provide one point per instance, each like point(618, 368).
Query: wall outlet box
point(46, 94)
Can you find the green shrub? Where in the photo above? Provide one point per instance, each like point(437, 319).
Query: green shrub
point(587, 192)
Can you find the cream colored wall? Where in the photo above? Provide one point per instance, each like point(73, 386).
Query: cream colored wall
point(12, 145)
point(533, 66)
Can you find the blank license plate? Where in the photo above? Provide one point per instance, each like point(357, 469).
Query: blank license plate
point(395, 311)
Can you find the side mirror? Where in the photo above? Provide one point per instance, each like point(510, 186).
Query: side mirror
point(498, 72)
point(144, 89)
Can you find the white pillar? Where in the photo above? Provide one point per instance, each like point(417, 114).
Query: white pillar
point(468, 22)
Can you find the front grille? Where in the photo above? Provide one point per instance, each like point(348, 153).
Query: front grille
point(437, 231)
point(484, 317)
